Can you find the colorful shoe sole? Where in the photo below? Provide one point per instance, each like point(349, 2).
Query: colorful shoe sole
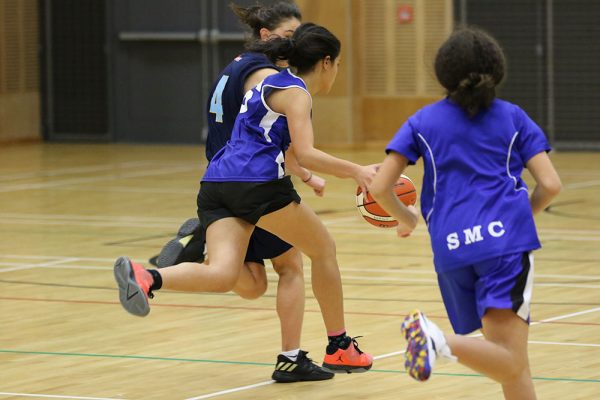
point(417, 353)
point(132, 297)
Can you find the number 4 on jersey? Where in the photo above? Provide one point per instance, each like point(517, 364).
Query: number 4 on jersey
point(216, 102)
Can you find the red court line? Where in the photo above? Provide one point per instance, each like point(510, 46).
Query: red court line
point(399, 315)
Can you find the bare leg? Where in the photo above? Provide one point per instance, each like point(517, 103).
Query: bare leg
point(290, 297)
point(227, 242)
point(502, 356)
point(252, 282)
point(305, 231)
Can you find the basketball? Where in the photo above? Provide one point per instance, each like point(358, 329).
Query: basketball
point(374, 214)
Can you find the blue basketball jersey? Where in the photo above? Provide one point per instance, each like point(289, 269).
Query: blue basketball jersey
point(260, 137)
point(226, 98)
point(473, 199)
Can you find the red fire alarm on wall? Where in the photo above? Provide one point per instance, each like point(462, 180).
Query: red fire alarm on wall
point(405, 14)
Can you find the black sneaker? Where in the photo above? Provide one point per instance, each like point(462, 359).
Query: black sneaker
point(303, 369)
point(187, 246)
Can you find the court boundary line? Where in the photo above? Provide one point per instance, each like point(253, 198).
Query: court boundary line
point(56, 396)
point(216, 394)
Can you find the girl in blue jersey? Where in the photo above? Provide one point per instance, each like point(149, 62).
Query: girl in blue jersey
point(245, 185)
point(249, 68)
point(478, 213)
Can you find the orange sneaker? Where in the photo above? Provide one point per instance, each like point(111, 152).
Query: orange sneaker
point(134, 283)
point(348, 360)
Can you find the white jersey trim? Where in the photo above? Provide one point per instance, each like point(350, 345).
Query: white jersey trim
point(266, 123)
point(297, 77)
point(512, 142)
point(434, 176)
point(525, 308)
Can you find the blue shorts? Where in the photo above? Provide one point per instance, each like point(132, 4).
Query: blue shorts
point(504, 282)
point(265, 246)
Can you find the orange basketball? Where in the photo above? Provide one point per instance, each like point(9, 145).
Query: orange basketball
point(374, 214)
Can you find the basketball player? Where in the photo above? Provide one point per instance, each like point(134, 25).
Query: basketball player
point(478, 213)
point(245, 185)
point(244, 72)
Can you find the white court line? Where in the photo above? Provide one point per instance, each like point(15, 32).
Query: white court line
point(395, 353)
point(432, 272)
point(36, 257)
point(122, 189)
point(96, 224)
point(564, 344)
point(74, 170)
point(56, 264)
point(29, 266)
point(382, 270)
point(82, 217)
point(345, 277)
point(237, 389)
point(591, 310)
point(582, 185)
point(53, 396)
point(116, 176)
point(569, 285)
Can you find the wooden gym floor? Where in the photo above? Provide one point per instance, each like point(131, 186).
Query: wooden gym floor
point(68, 210)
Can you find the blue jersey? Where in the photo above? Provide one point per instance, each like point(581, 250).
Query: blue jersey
point(226, 98)
point(473, 199)
point(260, 137)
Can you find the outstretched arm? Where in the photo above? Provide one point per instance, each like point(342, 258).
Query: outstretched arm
point(296, 105)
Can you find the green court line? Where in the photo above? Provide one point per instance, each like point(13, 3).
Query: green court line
point(195, 360)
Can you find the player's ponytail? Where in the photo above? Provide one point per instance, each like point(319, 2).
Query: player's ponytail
point(259, 16)
point(475, 92)
point(309, 44)
point(469, 65)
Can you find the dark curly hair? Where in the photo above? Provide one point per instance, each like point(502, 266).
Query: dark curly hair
point(469, 65)
point(309, 44)
point(260, 16)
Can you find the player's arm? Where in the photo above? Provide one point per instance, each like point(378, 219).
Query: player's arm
point(314, 181)
point(381, 190)
point(257, 76)
point(295, 103)
point(547, 181)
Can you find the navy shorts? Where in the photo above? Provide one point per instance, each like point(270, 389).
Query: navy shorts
point(504, 282)
point(265, 246)
point(248, 201)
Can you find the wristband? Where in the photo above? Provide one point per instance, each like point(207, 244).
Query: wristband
point(309, 177)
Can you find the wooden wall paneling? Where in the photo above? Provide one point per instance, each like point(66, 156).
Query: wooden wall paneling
point(19, 71)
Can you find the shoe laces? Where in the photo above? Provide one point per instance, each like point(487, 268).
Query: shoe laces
point(355, 343)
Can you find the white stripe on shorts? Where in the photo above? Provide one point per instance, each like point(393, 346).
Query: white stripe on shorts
point(525, 308)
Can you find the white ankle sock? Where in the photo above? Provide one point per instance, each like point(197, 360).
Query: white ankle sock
point(291, 354)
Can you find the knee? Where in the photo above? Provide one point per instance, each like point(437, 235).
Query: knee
point(224, 285)
point(224, 281)
point(255, 291)
point(518, 371)
point(289, 265)
point(326, 251)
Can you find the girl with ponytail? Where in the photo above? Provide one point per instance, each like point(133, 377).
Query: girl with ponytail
point(244, 72)
point(478, 213)
point(246, 188)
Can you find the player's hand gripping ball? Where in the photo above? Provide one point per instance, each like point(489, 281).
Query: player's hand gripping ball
point(374, 214)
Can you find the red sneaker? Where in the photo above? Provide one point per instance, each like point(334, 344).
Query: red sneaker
point(134, 286)
point(348, 360)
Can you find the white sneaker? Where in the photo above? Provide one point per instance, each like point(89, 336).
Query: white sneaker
point(426, 342)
